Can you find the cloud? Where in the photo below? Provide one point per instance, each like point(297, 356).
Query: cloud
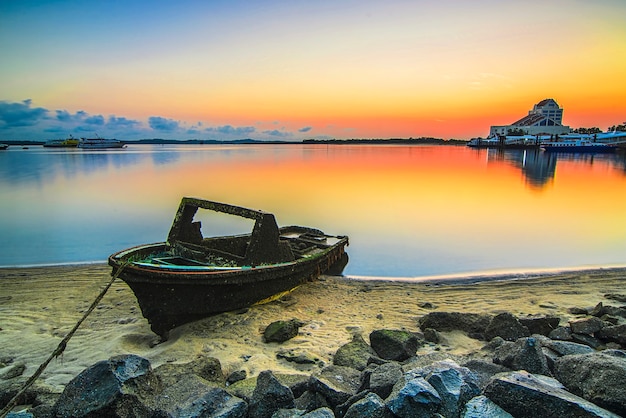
point(121, 122)
point(162, 124)
point(20, 114)
point(275, 132)
point(95, 120)
point(231, 130)
point(305, 129)
point(65, 116)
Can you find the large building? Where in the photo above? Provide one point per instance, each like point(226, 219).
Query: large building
point(544, 118)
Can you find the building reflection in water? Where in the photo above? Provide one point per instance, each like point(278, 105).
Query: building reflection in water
point(539, 167)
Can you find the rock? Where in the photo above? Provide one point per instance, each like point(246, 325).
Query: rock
point(119, 387)
point(281, 331)
point(320, 413)
point(298, 383)
point(193, 397)
point(542, 325)
point(525, 395)
point(579, 311)
point(586, 325)
point(395, 345)
point(383, 378)
point(482, 407)
point(507, 326)
point(561, 333)
point(434, 336)
point(600, 310)
point(236, 376)
point(208, 368)
point(413, 398)
point(354, 354)
point(597, 377)
point(523, 354)
point(13, 371)
point(586, 340)
point(455, 385)
point(297, 356)
point(310, 401)
point(616, 333)
point(289, 413)
point(269, 396)
point(565, 348)
point(371, 406)
point(335, 383)
point(484, 370)
point(471, 323)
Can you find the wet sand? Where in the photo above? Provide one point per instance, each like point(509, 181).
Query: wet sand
point(38, 306)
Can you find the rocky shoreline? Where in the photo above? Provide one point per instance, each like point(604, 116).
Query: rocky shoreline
point(529, 366)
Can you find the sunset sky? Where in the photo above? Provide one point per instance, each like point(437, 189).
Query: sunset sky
point(291, 70)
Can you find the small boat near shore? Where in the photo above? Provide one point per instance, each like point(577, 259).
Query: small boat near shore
point(70, 142)
point(3, 146)
point(190, 277)
point(577, 145)
point(100, 143)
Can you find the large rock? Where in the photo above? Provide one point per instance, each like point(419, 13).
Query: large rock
point(336, 383)
point(616, 333)
point(597, 377)
point(455, 385)
point(195, 397)
point(483, 407)
point(281, 331)
point(413, 398)
point(507, 326)
point(523, 354)
point(542, 325)
point(472, 323)
point(587, 326)
point(383, 378)
point(371, 406)
point(391, 344)
point(208, 368)
point(354, 354)
point(525, 395)
point(123, 386)
point(269, 396)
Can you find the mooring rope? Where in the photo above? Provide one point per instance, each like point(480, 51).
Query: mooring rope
point(60, 348)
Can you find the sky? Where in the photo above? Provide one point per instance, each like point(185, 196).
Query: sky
point(293, 69)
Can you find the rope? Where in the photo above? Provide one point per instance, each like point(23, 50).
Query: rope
point(60, 348)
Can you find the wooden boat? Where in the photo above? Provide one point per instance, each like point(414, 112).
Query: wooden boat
point(190, 277)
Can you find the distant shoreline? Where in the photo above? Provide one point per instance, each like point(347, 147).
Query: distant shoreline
point(248, 141)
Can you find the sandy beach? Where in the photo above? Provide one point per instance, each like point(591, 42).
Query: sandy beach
point(38, 306)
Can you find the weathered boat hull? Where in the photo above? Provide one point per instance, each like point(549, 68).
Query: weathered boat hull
point(172, 297)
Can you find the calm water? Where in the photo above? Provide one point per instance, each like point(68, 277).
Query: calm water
point(409, 210)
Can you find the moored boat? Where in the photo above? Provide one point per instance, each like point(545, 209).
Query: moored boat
point(577, 145)
point(70, 142)
point(100, 143)
point(4, 146)
point(190, 277)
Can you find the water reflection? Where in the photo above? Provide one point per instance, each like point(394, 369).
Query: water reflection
point(409, 210)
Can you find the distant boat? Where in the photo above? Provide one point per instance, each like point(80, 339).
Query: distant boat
point(3, 146)
point(577, 145)
point(62, 143)
point(100, 143)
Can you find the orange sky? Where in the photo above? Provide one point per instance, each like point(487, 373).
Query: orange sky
point(276, 70)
